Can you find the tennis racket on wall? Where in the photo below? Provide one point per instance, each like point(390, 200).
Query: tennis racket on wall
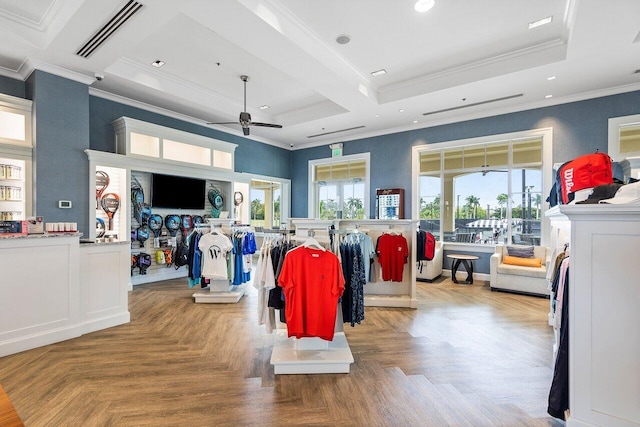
point(216, 200)
point(110, 203)
point(172, 222)
point(155, 224)
point(102, 182)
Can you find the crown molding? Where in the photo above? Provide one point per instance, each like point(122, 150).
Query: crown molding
point(183, 117)
point(30, 65)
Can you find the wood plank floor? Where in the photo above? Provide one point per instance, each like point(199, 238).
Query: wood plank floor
point(466, 357)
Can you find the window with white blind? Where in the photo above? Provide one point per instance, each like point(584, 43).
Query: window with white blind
point(339, 187)
point(491, 188)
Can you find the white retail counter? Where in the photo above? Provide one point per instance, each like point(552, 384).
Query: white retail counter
point(52, 289)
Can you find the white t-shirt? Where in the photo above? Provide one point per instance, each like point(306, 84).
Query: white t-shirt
point(215, 248)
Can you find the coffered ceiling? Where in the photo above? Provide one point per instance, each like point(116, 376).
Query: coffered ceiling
point(463, 59)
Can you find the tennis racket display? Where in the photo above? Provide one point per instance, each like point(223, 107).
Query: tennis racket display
point(172, 222)
point(186, 224)
point(155, 224)
point(102, 182)
point(110, 203)
point(216, 200)
point(143, 234)
point(100, 228)
point(137, 200)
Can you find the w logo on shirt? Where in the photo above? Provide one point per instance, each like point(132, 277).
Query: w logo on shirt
point(215, 251)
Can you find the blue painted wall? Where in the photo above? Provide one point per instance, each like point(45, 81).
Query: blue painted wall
point(68, 121)
point(250, 156)
point(12, 87)
point(61, 117)
point(578, 128)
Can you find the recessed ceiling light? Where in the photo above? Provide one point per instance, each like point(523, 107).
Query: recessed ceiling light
point(379, 72)
point(423, 6)
point(343, 39)
point(157, 63)
point(264, 107)
point(540, 22)
point(377, 116)
point(401, 110)
point(549, 96)
point(415, 121)
point(551, 78)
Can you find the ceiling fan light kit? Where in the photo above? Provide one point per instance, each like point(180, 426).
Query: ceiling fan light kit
point(245, 118)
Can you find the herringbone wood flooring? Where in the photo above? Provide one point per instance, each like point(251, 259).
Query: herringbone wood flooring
point(466, 357)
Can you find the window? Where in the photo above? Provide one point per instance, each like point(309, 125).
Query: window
point(484, 190)
point(266, 199)
point(339, 187)
point(147, 140)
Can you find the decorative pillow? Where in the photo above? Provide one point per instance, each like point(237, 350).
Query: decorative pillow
point(521, 251)
point(524, 262)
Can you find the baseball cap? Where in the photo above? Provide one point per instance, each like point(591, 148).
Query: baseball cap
point(629, 193)
point(601, 192)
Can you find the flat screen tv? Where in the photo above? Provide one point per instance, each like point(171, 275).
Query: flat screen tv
point(176, 192)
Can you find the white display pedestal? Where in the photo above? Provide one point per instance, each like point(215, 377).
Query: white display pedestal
point(604, 320)
point(311, 355)
point(221, 292)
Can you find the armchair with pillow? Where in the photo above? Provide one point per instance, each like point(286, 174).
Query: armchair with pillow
point(520, 268)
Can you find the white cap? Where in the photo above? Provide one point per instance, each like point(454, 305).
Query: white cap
point(629, 193)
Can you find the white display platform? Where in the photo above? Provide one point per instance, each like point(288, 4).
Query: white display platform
point(311, 355)
point(220, 294)
point(403, 301)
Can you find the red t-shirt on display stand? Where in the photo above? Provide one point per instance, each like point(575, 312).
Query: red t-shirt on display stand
point(393, 253)
point(313, 282)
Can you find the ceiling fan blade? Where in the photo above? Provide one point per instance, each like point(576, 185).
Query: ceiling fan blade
point(266, 125)
point(245, 130)
point(222, 123)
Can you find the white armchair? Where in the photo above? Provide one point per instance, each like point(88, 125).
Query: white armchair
point(515, 278)
point(427, 271)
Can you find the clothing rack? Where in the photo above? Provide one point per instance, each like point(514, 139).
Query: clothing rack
point(389, 294)
point(221, 291)
point(311, 355)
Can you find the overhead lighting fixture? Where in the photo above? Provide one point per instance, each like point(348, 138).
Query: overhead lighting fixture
point(376, 116)
point(549, 96)
point(343, 39)
point(415, 121)
point(264, 107)
point(379, 72)
point(424, 6)
point(401, 110)
point(551, 78)
point(540, 22)
point(157, 63)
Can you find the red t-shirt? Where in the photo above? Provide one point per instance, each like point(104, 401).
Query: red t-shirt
point(393, 253)
point(313, 282)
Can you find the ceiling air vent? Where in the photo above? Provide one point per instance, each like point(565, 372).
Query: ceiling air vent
point(107, 30)
point(335, 131)
point(475, 104)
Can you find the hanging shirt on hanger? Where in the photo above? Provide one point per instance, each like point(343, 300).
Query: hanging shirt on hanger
point(393, 253)
point(215, 248)
point(313, 282)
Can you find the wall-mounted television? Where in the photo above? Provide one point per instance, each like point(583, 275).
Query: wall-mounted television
point(177, 192)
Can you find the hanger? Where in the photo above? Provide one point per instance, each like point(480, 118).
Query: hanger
point(311, 242)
